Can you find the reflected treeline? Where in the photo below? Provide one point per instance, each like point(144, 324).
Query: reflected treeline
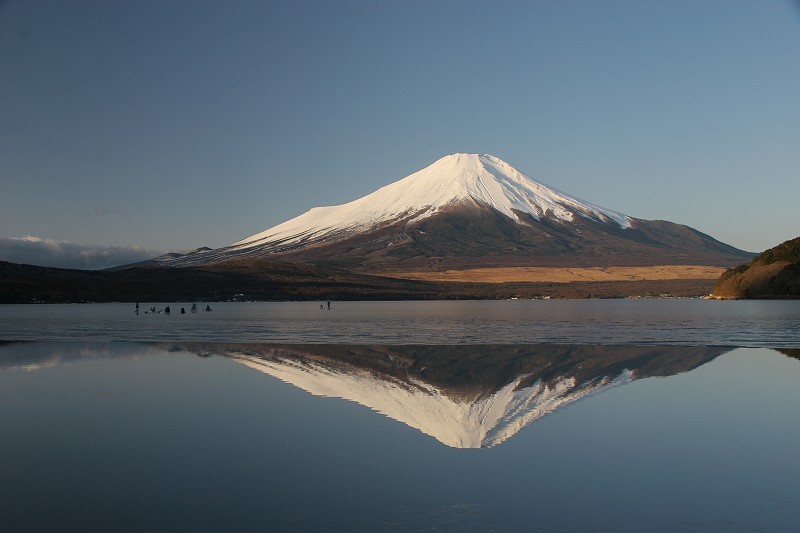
point(464, 396)
point(791, 352)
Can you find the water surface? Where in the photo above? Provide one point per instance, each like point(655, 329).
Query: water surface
point(169, 437)
point(608, 415)
point(667, 321)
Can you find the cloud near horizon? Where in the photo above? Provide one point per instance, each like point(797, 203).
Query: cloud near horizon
point(44, 252)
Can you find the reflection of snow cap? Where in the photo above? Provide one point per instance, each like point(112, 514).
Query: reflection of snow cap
point(458, 422)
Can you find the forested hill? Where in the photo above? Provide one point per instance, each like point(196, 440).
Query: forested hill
point(788, 251)
point(772, 274)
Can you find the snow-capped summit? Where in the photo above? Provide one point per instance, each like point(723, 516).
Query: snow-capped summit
point(455, 179)
point(467, 211)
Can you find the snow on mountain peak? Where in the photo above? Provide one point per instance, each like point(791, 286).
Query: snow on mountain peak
point(484, 179)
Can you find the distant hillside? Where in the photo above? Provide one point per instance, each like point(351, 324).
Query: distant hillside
point(240, 280)
point(273, 281)
point(772, 274)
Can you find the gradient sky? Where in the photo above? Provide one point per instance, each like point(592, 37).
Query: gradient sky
point(147, 126)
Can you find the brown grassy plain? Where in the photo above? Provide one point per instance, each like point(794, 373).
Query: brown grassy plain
point(564, 275)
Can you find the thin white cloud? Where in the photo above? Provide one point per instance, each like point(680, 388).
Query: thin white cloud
point(40, 251)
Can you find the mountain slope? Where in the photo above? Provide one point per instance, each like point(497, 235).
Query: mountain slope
point(471, 210)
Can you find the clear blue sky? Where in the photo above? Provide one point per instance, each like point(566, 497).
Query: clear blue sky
point(169, 125)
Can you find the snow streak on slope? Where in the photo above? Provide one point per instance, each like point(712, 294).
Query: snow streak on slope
point(485, 420)
point(450, 181)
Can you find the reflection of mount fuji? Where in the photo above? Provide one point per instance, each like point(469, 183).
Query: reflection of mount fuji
point(464, 396)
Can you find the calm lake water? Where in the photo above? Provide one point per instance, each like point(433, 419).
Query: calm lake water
point(669, 321)
point(655, 415)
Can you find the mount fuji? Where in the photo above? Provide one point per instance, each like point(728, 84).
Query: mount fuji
point(470, 210)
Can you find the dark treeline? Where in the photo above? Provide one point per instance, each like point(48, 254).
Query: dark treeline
point(285, 281)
